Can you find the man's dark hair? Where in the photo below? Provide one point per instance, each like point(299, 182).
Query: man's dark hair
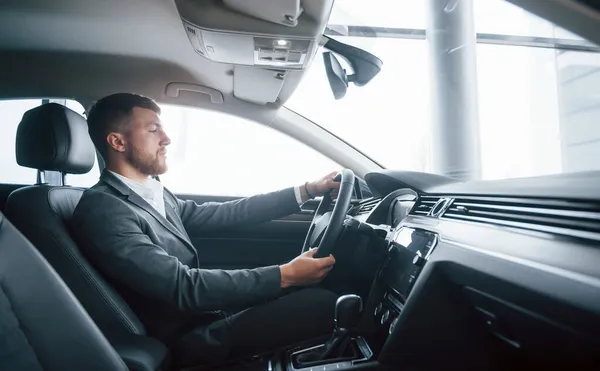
point(110, 114)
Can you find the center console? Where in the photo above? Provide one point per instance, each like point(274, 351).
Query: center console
point(343, 349)
point(356, 351)
point(362, 329)
point(409, 249)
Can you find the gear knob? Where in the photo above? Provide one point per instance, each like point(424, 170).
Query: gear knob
point(348, 309)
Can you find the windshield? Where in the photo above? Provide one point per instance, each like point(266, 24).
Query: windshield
point(534, 93)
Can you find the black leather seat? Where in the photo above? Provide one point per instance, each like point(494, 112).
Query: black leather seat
point(53, 137)
point(42, 325)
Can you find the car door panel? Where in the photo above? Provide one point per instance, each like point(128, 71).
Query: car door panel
point(270, 243)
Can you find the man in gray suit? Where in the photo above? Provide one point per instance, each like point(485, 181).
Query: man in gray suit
point(135, 232)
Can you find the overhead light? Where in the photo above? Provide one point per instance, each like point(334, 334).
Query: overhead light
point(282, 42)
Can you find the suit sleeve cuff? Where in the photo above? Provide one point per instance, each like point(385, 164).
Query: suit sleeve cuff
point(272, 280)
point(298, 195)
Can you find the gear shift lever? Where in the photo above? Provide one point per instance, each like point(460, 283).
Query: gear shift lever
point(347, 312)
point(348, 309)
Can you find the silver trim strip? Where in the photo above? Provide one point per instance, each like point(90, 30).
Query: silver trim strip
point(525, 226)
point(534, 210)
point(482, 38)
point(363, 346)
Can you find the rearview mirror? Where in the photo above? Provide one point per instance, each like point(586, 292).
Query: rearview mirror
point(338, 80)
point(365, 65)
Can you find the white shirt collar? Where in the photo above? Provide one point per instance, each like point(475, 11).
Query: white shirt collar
point(152, 191)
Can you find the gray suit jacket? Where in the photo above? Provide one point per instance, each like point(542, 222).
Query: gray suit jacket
point(152, 262)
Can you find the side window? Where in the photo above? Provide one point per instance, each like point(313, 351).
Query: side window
point(12, 112)
point(213, 153)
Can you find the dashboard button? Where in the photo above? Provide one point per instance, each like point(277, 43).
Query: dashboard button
point(394, 323)
point(378, 309)
point(418, 260)
point(385, 317)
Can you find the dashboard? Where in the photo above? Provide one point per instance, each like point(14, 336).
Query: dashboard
point(483, 281)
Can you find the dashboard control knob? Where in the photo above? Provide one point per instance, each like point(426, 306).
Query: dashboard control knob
point(378, 309)
point(394, 323)
point(385, 317)
point(419, 261)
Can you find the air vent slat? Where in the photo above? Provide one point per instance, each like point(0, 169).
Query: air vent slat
point(563, 217)
point(532, 210)
point(424, 205)
point(547, 203)
point(419, 212)
point(365, 206)
point(566, 222)
point(534, 227)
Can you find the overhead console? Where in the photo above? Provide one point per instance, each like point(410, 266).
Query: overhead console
point(264, 40)
point(269, 41)
point(251, 50)
point(234, 32)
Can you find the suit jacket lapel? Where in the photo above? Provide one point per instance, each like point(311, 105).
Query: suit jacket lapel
point(137, 200)
point(173, 217)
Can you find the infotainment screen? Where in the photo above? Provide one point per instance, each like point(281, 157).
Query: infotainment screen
point(416, 240)
point(401, 272)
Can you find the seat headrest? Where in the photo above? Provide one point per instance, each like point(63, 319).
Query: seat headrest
point(53, 137)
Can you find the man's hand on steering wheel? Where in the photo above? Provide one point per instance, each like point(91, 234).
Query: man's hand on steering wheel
point(320, 187)
point(314, 263)
point(305, 269)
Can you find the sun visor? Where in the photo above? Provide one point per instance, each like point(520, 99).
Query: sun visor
point(257, 85)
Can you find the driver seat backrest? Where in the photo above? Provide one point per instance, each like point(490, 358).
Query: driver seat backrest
point(53, 137)
point(42, 326)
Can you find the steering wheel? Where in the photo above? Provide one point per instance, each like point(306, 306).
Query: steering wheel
point(327, 225)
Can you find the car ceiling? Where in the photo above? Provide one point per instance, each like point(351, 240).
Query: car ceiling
point(89, 49)
point(581, 17)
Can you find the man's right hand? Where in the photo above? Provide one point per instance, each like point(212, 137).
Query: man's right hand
point(305, 269)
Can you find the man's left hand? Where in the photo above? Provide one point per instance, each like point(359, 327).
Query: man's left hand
point(325, 184)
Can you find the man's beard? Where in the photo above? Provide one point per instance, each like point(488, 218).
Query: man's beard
point(145, 163)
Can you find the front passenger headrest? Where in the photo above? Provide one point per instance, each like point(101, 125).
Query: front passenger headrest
point(53, 137)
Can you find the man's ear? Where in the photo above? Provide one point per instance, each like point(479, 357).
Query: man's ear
point(116, 141)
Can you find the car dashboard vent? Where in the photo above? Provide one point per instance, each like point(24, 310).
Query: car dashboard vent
point(365, 206)
point(424, 205)
point(580, 219)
